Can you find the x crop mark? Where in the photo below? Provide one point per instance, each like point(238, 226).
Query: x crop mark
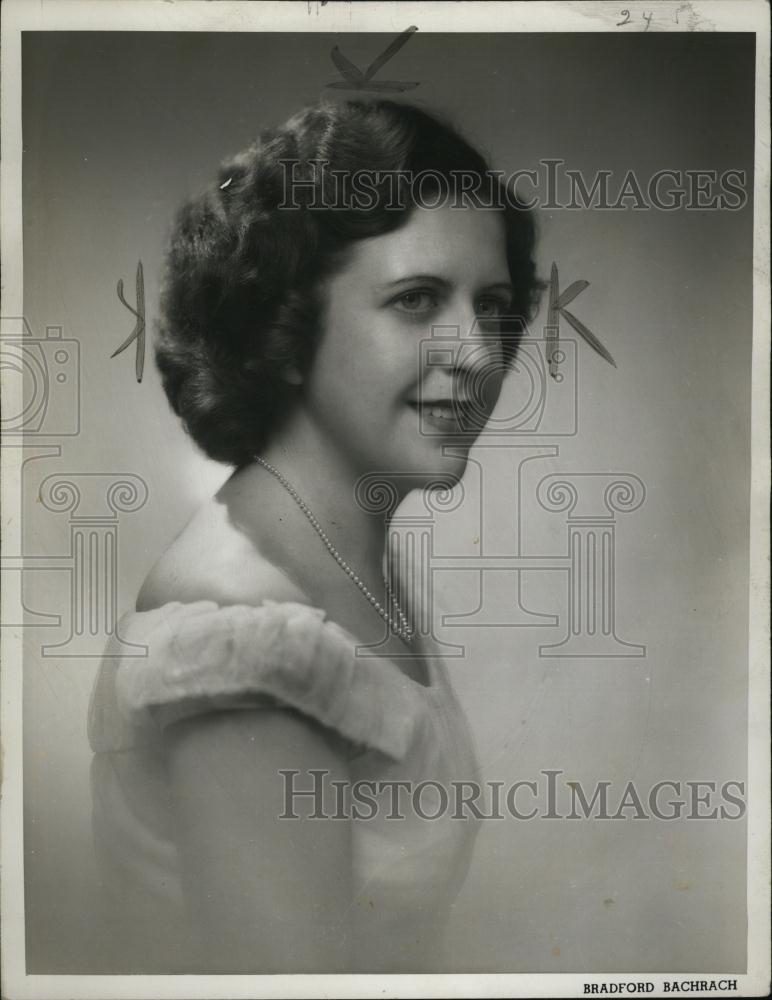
point(355, 79)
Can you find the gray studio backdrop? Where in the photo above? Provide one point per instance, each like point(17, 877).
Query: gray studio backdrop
point(118, 128)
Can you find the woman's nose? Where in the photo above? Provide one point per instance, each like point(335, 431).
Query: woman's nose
point(475, 349)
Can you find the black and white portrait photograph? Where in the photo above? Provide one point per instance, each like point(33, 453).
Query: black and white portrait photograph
point(385, 559)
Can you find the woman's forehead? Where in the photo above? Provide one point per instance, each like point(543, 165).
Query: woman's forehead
point(453, 243)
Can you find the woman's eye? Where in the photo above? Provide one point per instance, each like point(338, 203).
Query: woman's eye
point(417, 302)
point(490, 308)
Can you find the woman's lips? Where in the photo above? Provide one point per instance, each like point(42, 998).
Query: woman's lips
point(449, 416)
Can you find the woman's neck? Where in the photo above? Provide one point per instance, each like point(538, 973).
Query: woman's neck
point(326, 480)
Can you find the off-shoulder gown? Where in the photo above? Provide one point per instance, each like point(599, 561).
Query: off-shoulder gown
point(202, 657)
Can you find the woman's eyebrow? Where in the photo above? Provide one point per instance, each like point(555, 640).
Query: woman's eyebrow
point(431, 278)
point(500, 286)
point(494, 286)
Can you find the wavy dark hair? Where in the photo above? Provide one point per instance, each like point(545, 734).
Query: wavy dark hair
point(241, 296)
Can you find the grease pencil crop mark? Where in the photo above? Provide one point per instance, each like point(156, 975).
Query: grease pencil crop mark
point(138, 333)
point(557, 308)
point(355, 79)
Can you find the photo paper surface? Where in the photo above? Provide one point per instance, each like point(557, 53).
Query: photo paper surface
point(385, 451)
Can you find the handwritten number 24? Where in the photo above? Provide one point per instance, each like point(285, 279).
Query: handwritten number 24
point(626, 13)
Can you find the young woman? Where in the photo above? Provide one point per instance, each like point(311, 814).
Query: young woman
point(299, 290)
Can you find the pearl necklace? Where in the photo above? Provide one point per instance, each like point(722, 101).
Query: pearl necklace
point(399, 626)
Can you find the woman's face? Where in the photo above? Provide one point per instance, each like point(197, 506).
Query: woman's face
point(410, 358)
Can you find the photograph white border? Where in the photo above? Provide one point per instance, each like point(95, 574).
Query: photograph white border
point(198, 15)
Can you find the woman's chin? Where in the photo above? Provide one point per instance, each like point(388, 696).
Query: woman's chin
point(438, 466)
point(438, 471)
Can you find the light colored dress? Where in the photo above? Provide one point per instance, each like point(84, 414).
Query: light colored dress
point(202, 657)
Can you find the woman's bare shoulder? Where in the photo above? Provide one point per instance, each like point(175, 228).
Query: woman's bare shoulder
point(213, 559)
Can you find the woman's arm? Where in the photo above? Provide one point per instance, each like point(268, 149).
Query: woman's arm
point(264, 894)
